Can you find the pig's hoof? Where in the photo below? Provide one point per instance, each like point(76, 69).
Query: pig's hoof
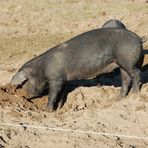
point(49, 109)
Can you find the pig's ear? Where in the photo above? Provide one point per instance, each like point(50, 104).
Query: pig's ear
point(19, 78)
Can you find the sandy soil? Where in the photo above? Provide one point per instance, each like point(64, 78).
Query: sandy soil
point(28, 28)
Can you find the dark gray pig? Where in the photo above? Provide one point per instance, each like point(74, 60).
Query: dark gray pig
point(113, 23)
point(84, 56)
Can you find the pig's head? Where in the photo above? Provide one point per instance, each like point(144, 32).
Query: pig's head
point(32, 83)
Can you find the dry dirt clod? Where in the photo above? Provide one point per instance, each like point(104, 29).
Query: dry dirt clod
point(1, 146)
point(2, 139)
point(9, 89)
point(140, 107)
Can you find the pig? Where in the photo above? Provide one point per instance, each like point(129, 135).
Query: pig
point(82, 57)
point(113, 23)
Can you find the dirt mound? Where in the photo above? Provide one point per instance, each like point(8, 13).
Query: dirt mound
point(91, 98)
point(80, 99)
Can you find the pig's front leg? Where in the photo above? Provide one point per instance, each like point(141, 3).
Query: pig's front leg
point(62, 96)
point(55, 87)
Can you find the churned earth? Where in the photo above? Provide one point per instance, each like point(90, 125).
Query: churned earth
point(93, 115)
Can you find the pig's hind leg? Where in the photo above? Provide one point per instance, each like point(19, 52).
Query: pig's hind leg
point(134, 74)
point(125, 83)
point(129, 64)
point(135, 80)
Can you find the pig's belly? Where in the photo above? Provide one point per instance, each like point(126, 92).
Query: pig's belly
point(91, 72)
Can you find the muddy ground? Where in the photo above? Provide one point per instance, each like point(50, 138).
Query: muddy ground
point(92, 115)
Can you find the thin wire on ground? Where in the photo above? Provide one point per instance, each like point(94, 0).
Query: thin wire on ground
point(74, 130)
